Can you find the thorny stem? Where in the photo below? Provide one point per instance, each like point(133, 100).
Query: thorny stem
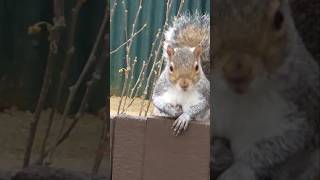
point(128, 59)
point(145, 92)
point(96, 76)
point(153, 45)
point(125, 20)
point(92, 57)
point(127, 69)
point(134, 27)
point(158, 72)
point(123, 90)
point(141, 77)
point(180, 8)
point(54, 38)
point(130, 82)
point(112, 10)
point(125, 43)
point(64, 72)
point(103, 146)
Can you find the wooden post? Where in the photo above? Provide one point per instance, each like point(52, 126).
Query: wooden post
point(146, 149)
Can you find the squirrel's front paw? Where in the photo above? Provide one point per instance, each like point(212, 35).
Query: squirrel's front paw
point(238, 172)
point(181, 124)
point(174, 110)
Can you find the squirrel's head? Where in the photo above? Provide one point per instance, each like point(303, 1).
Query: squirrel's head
point(250, 40)
point(184, 66)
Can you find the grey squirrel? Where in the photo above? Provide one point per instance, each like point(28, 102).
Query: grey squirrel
point(266, 92)
point(182, 90)
point(265, 98)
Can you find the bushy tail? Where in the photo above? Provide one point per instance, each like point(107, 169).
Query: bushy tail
point(190, 30)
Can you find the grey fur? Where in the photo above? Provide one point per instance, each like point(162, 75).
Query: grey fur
point(162, 85)
point(202, 21)
point(184, 58)
point(298, 81)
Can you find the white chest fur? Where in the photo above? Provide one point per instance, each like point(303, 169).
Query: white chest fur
point(177, 96)
point(245, 119)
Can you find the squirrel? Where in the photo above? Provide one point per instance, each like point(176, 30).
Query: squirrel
point(266, 92)
point(182, 90)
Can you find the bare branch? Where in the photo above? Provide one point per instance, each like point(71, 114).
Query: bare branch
point(168, 9)
point(141, 77)
point(64, 72)
point(92, 58)
point(180, 8)
point(96, 76)
point(128, 59)
point(54, 38)
point(130, 82)
point(112, 10)
point(129, 40)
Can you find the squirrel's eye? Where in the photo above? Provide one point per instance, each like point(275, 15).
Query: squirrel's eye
point(196, 67)
point(278, 20)
point(171, 68)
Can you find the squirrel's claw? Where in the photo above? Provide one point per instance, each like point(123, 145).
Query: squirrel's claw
point(180, 125)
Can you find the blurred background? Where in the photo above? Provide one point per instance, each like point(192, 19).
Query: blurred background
point(24, 49)
point(23, 56)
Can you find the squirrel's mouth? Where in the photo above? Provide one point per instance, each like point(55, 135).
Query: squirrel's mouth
point(241, 85)
point(184, 88)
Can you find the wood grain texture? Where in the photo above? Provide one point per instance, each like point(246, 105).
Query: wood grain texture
point(146, 149)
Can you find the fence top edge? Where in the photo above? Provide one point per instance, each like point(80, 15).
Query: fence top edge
point(151, 118)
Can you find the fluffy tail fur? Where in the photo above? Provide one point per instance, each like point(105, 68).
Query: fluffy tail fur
point(190, 30)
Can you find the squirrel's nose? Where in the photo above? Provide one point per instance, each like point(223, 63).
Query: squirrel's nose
point(184, 84)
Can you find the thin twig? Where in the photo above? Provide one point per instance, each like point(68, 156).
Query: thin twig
point(92, 58)
point(96, 76)
point(128, 59)
point(154, 45)
point(134, 27)
point(103, 146)
point(63, 76)
point(125, 43)
point(125, 9)
point(141, 77)
point(158, 72)
point(54, 38)
point(145, 92)
point(180, 8)
point(130, 82)
point(105, 134)
point(127, 69)
point(113, 10)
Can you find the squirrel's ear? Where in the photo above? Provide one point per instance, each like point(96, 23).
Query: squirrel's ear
point(275, 14)
point(274, 6)
point(170, 51)
point(197, 52)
